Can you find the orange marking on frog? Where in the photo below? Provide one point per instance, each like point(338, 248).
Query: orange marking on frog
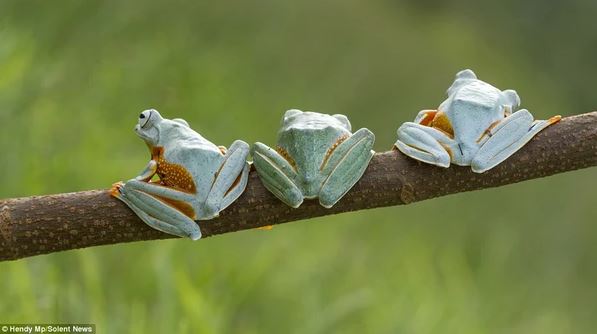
point(181, 206)
point(441, 122)
point(115, 189)
point(487, 131)
point(448, 149)
point(428, 118)
point(172, 175)
point(286, 156)
point(554, 119)
point(331, 150)
point(234, 184)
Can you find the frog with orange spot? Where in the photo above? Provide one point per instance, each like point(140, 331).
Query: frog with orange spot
point(477, 126)
point(197, 179)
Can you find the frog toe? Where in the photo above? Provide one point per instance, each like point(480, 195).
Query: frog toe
point(116, 189)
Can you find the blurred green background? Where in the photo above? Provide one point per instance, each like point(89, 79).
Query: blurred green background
point(75, 74)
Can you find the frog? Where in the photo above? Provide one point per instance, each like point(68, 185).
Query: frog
point(478, 125)
point(317, 156)
point(187, 178)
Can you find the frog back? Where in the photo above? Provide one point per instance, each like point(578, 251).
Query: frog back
point(472, 109)
point(306, 139)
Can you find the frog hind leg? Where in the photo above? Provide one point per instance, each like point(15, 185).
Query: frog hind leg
point(345, 165)
point(507, 137)
point(159, 214)
point(424, 143)
point(230, 181)
point(237, 188)
point(159, 190)
point(277, 174)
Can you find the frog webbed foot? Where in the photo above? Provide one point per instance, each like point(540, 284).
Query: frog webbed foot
point(277, 174)
point(163, 213)
point(507, 137)
point(230, 181)
point(345, 165)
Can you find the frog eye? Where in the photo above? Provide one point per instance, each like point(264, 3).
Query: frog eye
point(144, 118)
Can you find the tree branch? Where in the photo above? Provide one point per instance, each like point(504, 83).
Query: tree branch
point(45, 224)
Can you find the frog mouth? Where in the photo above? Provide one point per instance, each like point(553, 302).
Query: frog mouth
point(144, 134)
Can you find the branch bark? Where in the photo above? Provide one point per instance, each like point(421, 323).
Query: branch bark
point(45, 224)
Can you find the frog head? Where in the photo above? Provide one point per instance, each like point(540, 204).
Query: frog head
point(148, 126)
point(158, 131)
point(463, 77)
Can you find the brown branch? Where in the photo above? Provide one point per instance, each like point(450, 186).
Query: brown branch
point(45, 224)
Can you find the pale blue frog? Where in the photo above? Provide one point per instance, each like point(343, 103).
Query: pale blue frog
point(316, 156)
point(197, 179)
point(478, 125)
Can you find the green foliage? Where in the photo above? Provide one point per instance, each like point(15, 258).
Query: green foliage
point(75, 74)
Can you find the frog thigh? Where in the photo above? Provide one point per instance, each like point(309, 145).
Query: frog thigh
point(159, 190)
point(424, 143)
point(231, 179)
point(345, 166)
point(277, 174)
point(508, 137)
point(159, 215)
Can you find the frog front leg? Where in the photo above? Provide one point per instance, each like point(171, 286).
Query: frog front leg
point(160, 207)
point(506, 138)
point(425, 117)
point(148, 172)
point(277, 174)
point(424, 143)
point(231, 179)
point(345, 165)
